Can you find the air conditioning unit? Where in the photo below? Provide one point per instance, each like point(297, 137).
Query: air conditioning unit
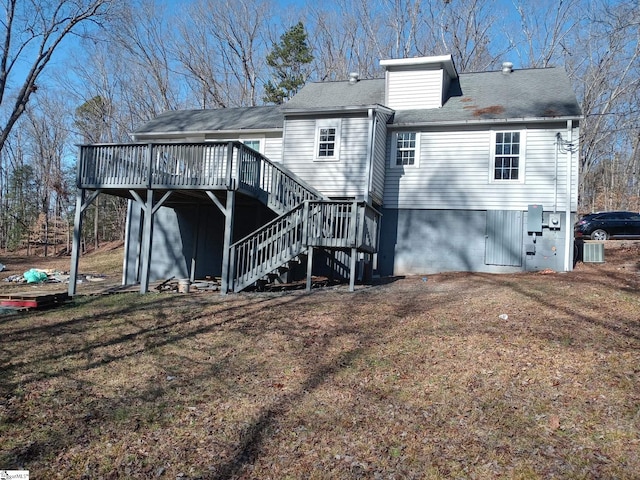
point(593, 253)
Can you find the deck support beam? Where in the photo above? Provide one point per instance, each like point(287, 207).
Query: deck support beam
point(352, 269)
point(194, 248)
point(309, 267)
point(228, 260)
point(150, 210)
point(147, 237)
point(81, 206)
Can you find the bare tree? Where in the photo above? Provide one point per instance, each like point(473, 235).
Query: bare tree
point(546, 30)
point(48, 130)
point(340, 42)
point(466, 29)
point(605, 67)
point(31, 34)
point(222, 49)
point(140, 43)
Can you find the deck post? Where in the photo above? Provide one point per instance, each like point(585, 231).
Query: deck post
point(147, 236)
point(81, 206)
point(353, 230)
point(227, 268)
point(75, 248)
point(127, 243)
point(194, 248)
point(352, 270)
point(309, 267)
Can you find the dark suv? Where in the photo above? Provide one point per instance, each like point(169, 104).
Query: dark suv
point(606, 225)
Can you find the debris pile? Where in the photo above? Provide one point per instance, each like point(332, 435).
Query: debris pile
point(172, 284)
point(38, 275)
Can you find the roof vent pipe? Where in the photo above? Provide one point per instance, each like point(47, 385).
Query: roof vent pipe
point(507, 67)
point(353, 78)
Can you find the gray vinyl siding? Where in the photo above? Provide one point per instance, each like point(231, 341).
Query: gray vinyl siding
point(379, 159)
point(455, 172)
point(344, 177)
point(419, 242)
point(415, 88)
point(446, 84)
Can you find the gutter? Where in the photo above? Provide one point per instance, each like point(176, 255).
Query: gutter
point(334, 109)
point(191, 133)
point(438, 123)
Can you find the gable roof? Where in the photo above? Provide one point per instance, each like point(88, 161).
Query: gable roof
point(214, 120)
point(528, 94)
point(521, 94)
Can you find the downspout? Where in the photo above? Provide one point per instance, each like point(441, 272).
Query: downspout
point(555, 178)
point(568, 238)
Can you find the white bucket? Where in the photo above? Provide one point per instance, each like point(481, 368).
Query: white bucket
point(183, 285)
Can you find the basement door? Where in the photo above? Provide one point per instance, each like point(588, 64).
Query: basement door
point(503, 238)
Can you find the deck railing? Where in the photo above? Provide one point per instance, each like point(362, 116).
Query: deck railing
point(329, 224)
point(191, 166)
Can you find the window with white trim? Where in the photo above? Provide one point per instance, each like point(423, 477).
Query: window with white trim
point(252, 143)
point(327, 139)
point(406, 149)
point(507, 156)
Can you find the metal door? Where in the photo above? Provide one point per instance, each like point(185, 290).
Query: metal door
point(503, 238)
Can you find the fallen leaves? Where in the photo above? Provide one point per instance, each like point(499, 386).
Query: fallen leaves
point(411, 379)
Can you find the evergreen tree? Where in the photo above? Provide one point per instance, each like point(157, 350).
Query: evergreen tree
point(289, 60)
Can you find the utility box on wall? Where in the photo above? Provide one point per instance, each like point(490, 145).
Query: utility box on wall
point(534, 219)
point(554, 221)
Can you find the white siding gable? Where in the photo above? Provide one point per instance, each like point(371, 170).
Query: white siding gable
point(418, 83)
point(411, 89)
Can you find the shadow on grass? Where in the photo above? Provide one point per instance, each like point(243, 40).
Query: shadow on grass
point(250, 315)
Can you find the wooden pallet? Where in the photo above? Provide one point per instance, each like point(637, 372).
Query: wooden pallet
point(33, 300)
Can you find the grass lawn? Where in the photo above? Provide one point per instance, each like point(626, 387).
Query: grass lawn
point(407, 379)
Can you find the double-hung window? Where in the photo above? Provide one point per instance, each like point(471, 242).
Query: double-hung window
point(508, 156)
point(327, 139)
point(406, 148)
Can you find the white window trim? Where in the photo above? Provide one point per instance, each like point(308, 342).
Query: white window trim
point(394, 150)
point(328, 123)
point(522, 156)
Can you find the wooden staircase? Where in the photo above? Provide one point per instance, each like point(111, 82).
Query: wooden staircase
point(339, 225)
point(307, 220)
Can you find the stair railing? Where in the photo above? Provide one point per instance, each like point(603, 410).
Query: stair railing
point(315, 223)
point(268, 248)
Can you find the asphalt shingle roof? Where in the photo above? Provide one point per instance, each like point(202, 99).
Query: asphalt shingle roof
point(318, 95)
point(529, 93)
point(521, 94)
point(242, 118)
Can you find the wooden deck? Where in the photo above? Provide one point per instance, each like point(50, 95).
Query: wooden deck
point(168, 174)
point(190, 169)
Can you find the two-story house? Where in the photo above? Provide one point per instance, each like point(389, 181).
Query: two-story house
point(422, 171)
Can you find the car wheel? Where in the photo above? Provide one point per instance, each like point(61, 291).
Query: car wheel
point(599, 235)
